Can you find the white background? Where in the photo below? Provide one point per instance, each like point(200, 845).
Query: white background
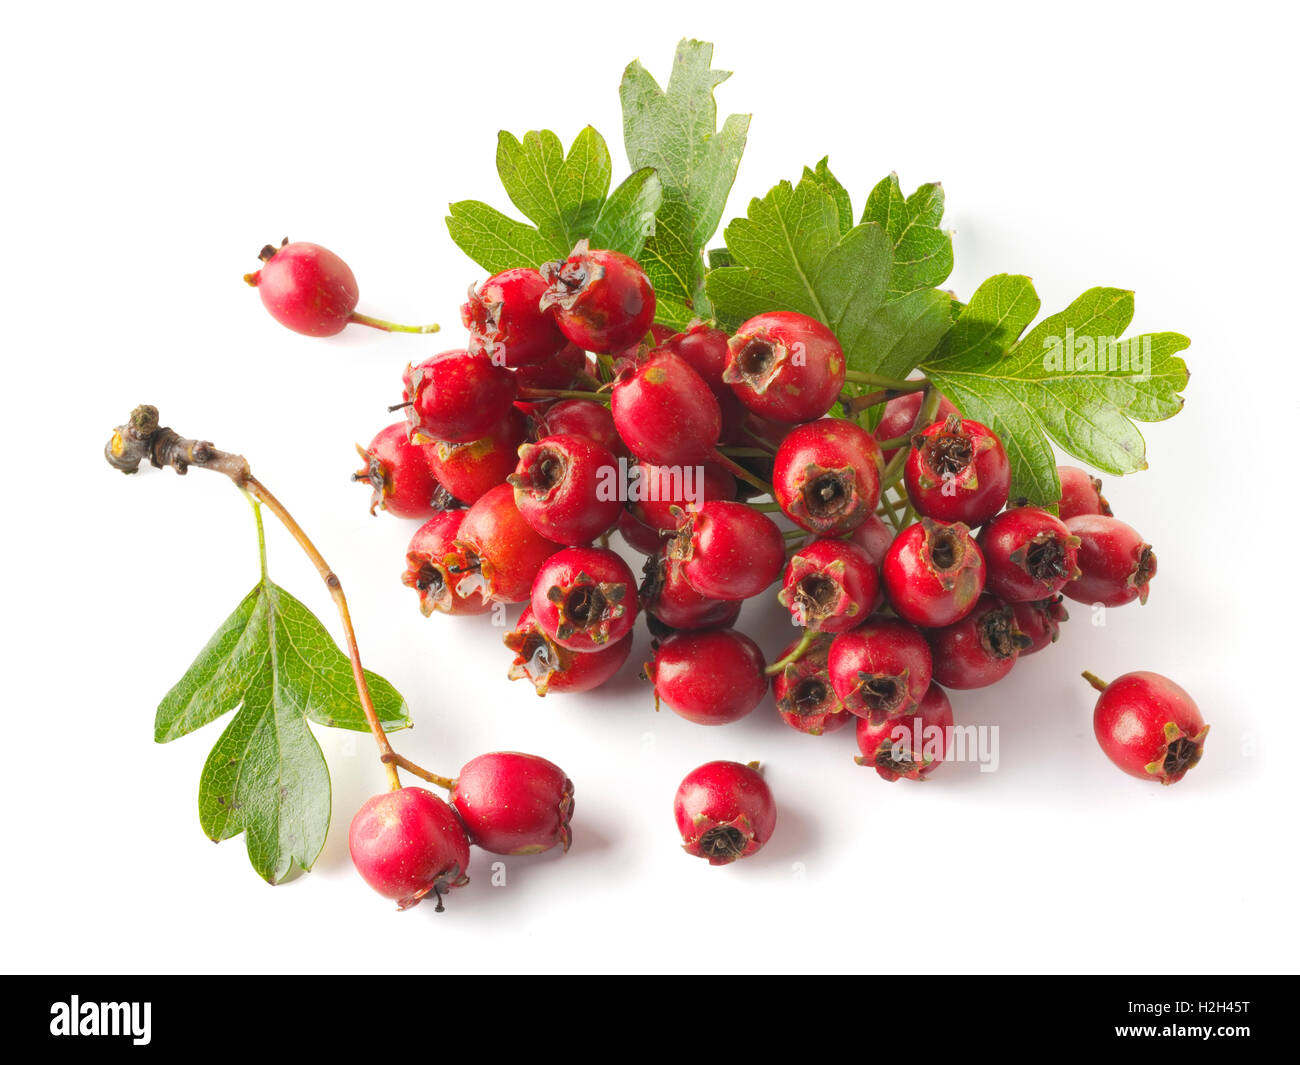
point(152, 150)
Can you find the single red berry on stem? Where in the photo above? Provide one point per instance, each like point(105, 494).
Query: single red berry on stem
point(399, 474)
point(1080, 494)
point(306, 288)
point(728, 550)
point(584, 598)
point(665, 412)
point(602, 300)
point(909, 747)
point(667, 597)
point(933, 573)
point(512, 803)
point(456, 397)
point(1148, 726)
point(724, 811)
point(552, 668)
point(804, 696)
point(785, 366)
point(980, 649)
point(881, 669)
point(1040, 622)
point(430, 559)
point(566, 488)
point(711, 677)
point(1116, 565)
point(407, 844)
point(1029, 554)
point(830, 586)
point(505, 322)
point(469, 471)
point(957, 470)
point(500, 553)
point(826, 476)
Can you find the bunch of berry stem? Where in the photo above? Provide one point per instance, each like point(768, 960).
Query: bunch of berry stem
point(389, 327)
point(143, 438)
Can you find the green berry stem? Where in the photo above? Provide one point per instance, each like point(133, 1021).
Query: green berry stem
point(767, 508)
point(562, 393)
point(799, 650)
point(1095, 681)
point(390, 327)
point(737, 470)
point(893, 383)
point(857, 404)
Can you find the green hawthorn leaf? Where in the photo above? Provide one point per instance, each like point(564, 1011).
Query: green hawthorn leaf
point(628, 216)
point(1072, 379)
point(275, 663)
point(675, 131)
point(922, 251)
point(561, 194)
point(497, 242)
point(843, 205)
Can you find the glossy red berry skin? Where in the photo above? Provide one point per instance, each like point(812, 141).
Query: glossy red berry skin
point(581, 417)
point(306, 288)
point(1080, 494)
point(1029, 555)
point(910, 748)
point(880, 669)
point(470, 471)
point(500, 553)
point(1116, 565)
point(671, 601)
point(663, 490)
point(665, 412)
point(1149, 726)
point(874, 537)
point(429, 560)
point(512, 803)
point(559, 371)
point(830, 586)
point(637, 535)
point(900, 415)
point(957, 470)
point(566, 488)
point(724, 811)
point(456, 397)
point(399, 474)
point(505, 322)
point(552, 668)
point(826, 476)
point(785, 366)
point(728, 550)
point(584, 598)
point(804, 696)
point(980, 649)
point(602, 300)
point(933, 573)
point(1040, 622)
point(704, 347)
point(407, 844)
point(711, 677)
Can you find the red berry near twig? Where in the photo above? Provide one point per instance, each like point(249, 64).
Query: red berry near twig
point(429, 560)
point(900, 416)
point(565, 487)
point(306, 288)
point(711, 678)
point(881, 669)
point(559, 371)
point(957, 470)
point(728, 550)
point(724, 811)
point(637, 535)
point(1116, 564)
point(584, 598)
point(399, 474)
point(469, 471)
point(512, 803)
point(785, 366)
point(407, 844)
point(552, 668)
point(505, 322)
point(1029, 555)
point(602, 300)
point(804, 696)
point(500, 553)
point(830, 586)
point(980, 649)
point(704, 348)
point(1080, 494)
point(665, 412)
point(581, 417)
point(1148, 726)
point(874, 537)
point(933, 573)
point(669, 599)
point(1040, 622)
point(826, 476)
point(665, 490)
point(456, 397)
point(909, 747)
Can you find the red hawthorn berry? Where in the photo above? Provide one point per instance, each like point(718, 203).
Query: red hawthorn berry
point(512, 803)
point(1148, 726)
point(933, 573)
point(909, 747)
point(826, 476)
point(957, 470)
point(804, 696)
point(584, 598)
point(830, 586)
point(505, 322)
point(724, 811)
point(785, 366)
point(712, 677)
point(552, 668)
point(1029, 554)
point(602, 300)
point(429, 560)
point(399, 473)
point(407, 844)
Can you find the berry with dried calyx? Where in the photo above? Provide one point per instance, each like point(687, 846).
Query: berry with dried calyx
point(880, 669)
point(429, 560)
point(400, 475)
point(724, 811)
point(711, 677)
point(512, 803)
point(1040, 622)
point(407, 844)
point(552, 668)
point(957, 470)
point(804, 696)
point(1029, 555)
point(1148, 726)
point(499, 553)
point(1080, 494)
point(581, 417)
point(1116, 565)
point(830, 586)
point(933, 573)
point(602, 300)
point(456, 397)
point(826, 476)
point(911, 747)
point(306, 288)
point(505, 322)
point(785, 366)
point(900, 417)
point(585, 598)
point(564, 488)
point(728, 550)
point(668, 598)
point(980, 649)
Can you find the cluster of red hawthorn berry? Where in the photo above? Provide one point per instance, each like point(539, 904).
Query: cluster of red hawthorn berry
point(506, 443)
